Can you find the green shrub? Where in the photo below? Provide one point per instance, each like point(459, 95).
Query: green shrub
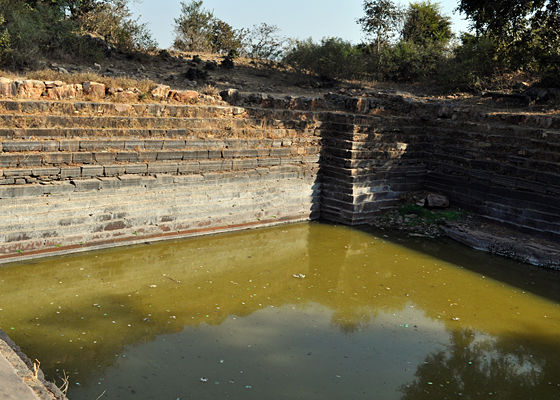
point(5, 44)
point(332, 58)
point(472, 64)
point(408, 62)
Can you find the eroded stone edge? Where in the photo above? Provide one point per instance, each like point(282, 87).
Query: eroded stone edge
point(23, 367)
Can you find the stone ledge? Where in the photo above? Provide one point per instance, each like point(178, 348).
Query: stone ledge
point(18, 379)
point(499, 240)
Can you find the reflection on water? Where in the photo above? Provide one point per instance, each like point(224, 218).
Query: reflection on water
point(295, 312)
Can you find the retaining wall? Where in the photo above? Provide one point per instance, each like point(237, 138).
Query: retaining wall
point(77, 175)
point(82, 175)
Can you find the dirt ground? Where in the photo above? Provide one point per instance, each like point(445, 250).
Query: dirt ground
point(204, 73)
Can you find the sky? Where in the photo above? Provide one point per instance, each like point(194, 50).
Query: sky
point(298, 19)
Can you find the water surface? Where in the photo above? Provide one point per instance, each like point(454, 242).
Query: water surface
point(304, 311)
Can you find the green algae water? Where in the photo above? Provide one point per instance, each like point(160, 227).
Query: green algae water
point(306, 311)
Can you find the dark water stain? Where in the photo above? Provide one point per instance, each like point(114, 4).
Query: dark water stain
point(305, 311)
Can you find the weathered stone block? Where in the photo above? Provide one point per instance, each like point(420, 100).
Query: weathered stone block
point(92, 170)
point(282, 152)
point(189, 167)
point(169, 155)
point(70, 172)
point(59, 188)
point(127, 95)
point(84, 185)
point(195, 155)
point(94, 89)
point(82, 158)
point(214, 165)
point(153, 144)
point(112, 170)
point(30, 89)
point(17, 172)
point(134, 145)
point(130, 180)
point(9, 160)
point(268, 162)
point(154, 168)
point(63, 92)
point(69, 145)
point(236, 153)
point(246, 163)
point(57, 158)
point(185, 96)
point(161, 92)
point(50, 145)
point(214, 153)
point(30, 160)
point(45, 171)
point(128, 157)
point(22, 146)
point(136, 169)
point(104, 157)
point(7, 87)
point(12, 191)
point(173, 144)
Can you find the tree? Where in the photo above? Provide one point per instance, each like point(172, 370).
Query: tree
point(197, 29)
point(112, 19)
point(223, 38)
point(192, 27)
point(382, 20)
point(527, 32)
point(424, 24)
point(263, 42)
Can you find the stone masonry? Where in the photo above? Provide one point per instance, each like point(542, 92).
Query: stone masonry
point(87, 174)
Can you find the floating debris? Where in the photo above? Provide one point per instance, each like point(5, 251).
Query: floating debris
point(299, 276)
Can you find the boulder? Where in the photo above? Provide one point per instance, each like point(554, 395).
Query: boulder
point(186, 96)
point(94, 89)
point(30, 89)
point(62, 92)
point(161, 92)
point(437, 201)
point(230, 95)
point(112, 91)
point(128, 95)
point(7, 87)
point(53, 84)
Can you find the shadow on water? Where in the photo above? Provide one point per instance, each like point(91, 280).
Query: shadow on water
point(539, 281)
point(293, 307)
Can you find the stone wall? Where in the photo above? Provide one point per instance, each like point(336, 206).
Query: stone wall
point(77, 175)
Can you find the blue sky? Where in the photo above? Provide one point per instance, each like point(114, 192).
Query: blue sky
point(296, 18)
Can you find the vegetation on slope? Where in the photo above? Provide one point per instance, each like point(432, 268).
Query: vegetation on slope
point(412, 44)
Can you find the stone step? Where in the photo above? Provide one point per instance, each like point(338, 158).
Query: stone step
point(239, 221)
point(19, 164)
point(282, 147)
point(48, 174)
point(65, 222)
point(220, 178)
point(86, 133)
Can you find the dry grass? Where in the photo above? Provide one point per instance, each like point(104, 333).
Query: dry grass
point(144, 85)
point(210, 90)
